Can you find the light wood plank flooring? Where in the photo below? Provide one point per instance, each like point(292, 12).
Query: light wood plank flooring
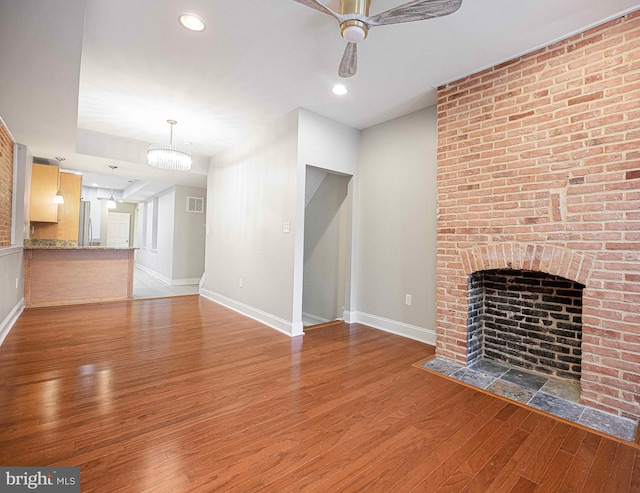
point(180, 395)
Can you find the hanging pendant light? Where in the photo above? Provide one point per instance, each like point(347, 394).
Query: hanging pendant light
point(58, 198)
point(112, 203)
point(169, 157)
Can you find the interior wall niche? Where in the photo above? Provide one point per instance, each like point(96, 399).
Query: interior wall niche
point(532, 320)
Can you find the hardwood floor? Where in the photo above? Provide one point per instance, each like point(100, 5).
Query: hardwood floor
point(180, 394)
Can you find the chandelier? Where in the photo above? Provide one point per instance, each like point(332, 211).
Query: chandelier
point(168, 156)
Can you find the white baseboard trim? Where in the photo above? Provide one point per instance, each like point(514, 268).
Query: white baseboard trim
point(348, 317)
point(166, 280)
point(9, 321)
point(185, 282)
point(154, 274)
point(399, 328)
point(272, 321)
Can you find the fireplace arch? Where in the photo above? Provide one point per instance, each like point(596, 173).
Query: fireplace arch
point(551, 259)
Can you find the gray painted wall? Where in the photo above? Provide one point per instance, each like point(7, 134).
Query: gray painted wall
point(391, 221)
point(188, 236)
point(11, 258)
point(396, 252)
point(253, 189)
point(179, 254)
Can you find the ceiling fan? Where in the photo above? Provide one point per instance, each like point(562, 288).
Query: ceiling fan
point(355, 21)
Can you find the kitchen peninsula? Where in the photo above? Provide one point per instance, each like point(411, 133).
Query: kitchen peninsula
point(57, 274)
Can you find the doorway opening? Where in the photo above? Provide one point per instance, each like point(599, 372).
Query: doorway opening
point(327, 241)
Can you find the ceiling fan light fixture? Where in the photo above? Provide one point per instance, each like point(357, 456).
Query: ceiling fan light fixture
point(192, 22)
point(355, 21)
point(58, 198)
point(168, 156)
point(111, 204)
point(354, 31)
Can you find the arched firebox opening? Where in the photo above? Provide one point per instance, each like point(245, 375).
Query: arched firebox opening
point(531, 320)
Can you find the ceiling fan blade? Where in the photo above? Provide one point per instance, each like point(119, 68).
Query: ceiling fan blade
point(415, 11)
point(349, 63)
point(314, 4)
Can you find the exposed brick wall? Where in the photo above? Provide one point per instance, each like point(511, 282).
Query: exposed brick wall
point(6, 185)
point(539, 169)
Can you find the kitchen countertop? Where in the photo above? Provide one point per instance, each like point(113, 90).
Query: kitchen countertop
point(93, 248)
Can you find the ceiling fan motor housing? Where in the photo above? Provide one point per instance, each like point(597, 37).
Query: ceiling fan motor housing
point(360, 7)
point(354, 30)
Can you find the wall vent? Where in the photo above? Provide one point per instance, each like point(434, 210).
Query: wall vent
point(195, 204)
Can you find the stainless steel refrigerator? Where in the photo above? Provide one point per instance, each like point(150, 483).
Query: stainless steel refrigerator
point(84, 231)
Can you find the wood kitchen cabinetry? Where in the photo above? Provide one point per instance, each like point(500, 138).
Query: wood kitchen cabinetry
point(52, 221)
point(44, 185)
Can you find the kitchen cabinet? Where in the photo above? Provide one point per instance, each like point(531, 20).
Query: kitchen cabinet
point(44, 185)
point(67, 220)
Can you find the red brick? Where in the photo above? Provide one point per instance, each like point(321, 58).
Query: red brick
point(6, 186)
point(548, 162)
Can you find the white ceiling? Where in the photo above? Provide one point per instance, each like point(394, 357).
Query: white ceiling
point(95, 81)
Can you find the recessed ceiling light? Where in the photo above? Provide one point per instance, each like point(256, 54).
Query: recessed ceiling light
point(339, 90)
point(94, 184)
point(192, 22)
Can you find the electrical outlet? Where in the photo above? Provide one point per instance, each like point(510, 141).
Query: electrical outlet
point(17, 282)
point(407, 299)
point(286, 227)
point(240, 283)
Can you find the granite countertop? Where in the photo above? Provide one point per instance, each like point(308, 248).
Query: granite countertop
point(44, 244)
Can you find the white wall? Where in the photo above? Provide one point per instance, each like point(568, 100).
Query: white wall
point(166, 222)
point(327, 144)
point(11, 258)
point(396, 253)
point(251, 192)
point(159, 260)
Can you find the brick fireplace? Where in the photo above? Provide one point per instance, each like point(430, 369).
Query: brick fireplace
point(527, 319)
point(539, 177)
